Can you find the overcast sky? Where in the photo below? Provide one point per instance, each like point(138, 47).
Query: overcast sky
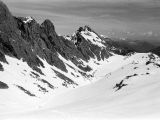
point(101, 15)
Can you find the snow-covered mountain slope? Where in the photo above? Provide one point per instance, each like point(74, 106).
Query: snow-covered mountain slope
point(131, 73)
point(21, 80)
point(130, 90)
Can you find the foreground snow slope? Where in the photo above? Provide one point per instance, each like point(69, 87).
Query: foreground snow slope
point(130, 91)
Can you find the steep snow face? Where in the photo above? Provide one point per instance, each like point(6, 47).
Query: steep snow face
point(130, 90)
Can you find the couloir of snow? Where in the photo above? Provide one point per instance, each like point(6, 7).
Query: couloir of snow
point(97, 100)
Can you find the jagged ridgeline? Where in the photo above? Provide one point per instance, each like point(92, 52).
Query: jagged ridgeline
point(38, 46)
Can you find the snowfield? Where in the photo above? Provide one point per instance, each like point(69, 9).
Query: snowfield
point(122, 88)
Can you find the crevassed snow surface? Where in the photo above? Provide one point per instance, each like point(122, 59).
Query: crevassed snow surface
point(129, 89)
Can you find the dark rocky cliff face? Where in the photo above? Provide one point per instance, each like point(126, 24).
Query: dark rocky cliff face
point(27, 40)
point(24, 38)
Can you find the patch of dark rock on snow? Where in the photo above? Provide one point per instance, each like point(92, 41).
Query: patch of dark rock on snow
point(85, 75)
point(135, 63)
point(96, 63)
point(35, 74)
point(48, 84)
point(23, 73)
point(86, 68)
point(3, 85)
point(26, 91)
point(38, 70)
point(72, 74)
point(65, 78)
point(158, 65)
point(41, 89)
point(151, 57)
point(71, 67)
point(129, 76)
point(135, 67)
point(148, 62)
point(118, 86)
point(32, 76)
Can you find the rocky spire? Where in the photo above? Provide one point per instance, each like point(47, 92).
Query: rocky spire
point(7, 23)
point(4, 13)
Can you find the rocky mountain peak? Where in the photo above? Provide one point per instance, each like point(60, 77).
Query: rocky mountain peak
point(4, 12)
point(88, 28)
point(49, 28)
point(85, 28)
point(7, 23)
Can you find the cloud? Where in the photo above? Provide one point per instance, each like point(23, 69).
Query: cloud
point(116, 14)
